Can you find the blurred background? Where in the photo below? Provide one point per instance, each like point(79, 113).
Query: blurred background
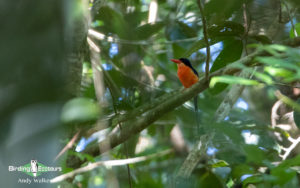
point(72, 72)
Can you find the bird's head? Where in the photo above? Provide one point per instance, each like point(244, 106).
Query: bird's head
point(182, 60)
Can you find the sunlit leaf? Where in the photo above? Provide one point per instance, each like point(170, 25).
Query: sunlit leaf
point(220, 163)
point(279, 72)
point(261, 76)
point(276, 62)
point(231, 80)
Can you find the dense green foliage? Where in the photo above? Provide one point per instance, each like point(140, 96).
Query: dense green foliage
point(126, 67)
point(136, 61)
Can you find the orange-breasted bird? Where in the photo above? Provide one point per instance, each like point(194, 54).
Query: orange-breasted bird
point(188, 76)
point(186, 72)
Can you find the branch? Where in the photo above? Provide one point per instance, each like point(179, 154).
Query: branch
point(142, 109)
point(205, 39)
point(290, 18)
point(294, 42)
point(147, 118)
point(99, 36)
point(274, 115)
point(109, 163)
point(193, 159)
point(135, 126)
point(288, 150)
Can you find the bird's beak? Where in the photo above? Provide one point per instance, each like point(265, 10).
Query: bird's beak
point(176, 61)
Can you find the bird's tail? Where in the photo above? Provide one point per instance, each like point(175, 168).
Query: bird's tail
point(196, 115)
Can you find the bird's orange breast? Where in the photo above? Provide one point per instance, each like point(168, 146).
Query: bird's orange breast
point(186, 75)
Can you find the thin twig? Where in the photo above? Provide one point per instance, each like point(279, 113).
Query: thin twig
point(95, 34)
point(280, 13)
point(235, 92)
point(274, 115)
point(135, 126)
point(109, 163)
point(125, 143)
point(291, 148)
point(246, 27)
point(290, 18)
point(141, 109)
point(205, 38)
point(146, 118)
point(68, 146)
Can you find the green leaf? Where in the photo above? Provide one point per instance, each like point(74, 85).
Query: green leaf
point(227, 28)
point(263, 77)
point(230, 132)
point(231, 52)
point(218, 88)
point(239, 170)
point(147, 30)
point(216, 34)
point(297, 116)
point(290, 162)
point(199, 45)
point(283, 175)
point(231, 80)
point(261, 38)
point(297, 28)
point(82, 156)
point(209, 179)
point(254, 154)
point(220, 163)
point(221, 10)
point(283, 172)
point(80, 110)
point(178, 51)
point(253, 180)
point(113, 22)
point(279, 72)
point(188, 31)
point(276, 62)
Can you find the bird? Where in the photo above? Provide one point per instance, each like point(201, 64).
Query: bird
point(188, 76)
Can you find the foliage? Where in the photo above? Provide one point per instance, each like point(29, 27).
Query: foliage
point(243, 151)
point(132, 74)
